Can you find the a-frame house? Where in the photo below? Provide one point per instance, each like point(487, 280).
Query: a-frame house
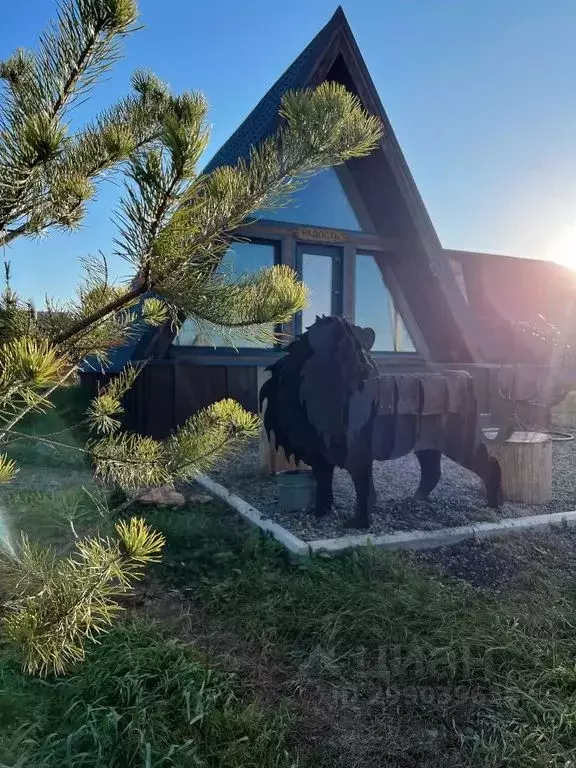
point(403, 235)
point(358, 235)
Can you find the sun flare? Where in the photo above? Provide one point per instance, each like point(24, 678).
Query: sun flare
point(562, 249)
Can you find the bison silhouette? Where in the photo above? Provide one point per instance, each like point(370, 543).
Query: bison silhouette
point(328, 406)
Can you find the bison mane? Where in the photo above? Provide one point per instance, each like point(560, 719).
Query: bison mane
point(322, 392)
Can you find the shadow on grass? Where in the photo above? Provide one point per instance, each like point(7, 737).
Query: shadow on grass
point(139, 699)
point(472, 678)
point(378, 660)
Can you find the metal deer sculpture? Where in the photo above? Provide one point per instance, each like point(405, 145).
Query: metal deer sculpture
point(327, 405)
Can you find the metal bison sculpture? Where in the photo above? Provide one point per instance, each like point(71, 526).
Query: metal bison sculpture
point(328, 406)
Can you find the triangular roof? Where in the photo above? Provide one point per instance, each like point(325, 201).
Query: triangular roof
point(395, 198)
point(386, 185)
point(264, 117)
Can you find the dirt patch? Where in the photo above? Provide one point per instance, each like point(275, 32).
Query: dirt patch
point(508, 563)
point(271, 681)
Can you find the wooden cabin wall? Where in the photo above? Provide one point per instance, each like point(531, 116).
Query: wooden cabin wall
point(168, 392)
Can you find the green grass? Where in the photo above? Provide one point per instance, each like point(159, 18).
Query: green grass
point(366, 660)
point(500, 669)
point(57, 424)
point(51, 517)
point(140, 699)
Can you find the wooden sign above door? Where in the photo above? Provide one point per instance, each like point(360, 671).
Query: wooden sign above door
point(317, 235)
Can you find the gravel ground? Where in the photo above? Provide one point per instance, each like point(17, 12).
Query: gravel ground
point(458, 499)
point(511, 563)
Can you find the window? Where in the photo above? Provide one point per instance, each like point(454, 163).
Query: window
point(375, 308)
point(317, 274)
point(321, 202)
point(240, 259)
point(320, 268)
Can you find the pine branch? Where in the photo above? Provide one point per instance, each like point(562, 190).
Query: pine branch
point(272, 294)
point(56, 605)
point(12, 234)
point(84, 58)
point(27, 409)
point(111, 307)
point(132, 461)
point(116, 134)
point(37, 438)
point(217, 203)
point(175, 227)
point(72, 55)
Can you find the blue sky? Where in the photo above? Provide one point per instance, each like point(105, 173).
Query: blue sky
point(480, 93)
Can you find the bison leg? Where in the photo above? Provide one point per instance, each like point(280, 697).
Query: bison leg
point(493, 480)
point(323, 474)
point(365, 494)
point(430, 473)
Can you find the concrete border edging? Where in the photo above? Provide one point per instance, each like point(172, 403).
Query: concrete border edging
point(254, 517)
point(441, 537)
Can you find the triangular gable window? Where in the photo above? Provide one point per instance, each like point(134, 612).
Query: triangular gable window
point(321, 202)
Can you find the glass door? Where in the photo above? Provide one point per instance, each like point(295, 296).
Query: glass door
point(320, 267)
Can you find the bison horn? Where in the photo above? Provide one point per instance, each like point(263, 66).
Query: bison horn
point(365, 336)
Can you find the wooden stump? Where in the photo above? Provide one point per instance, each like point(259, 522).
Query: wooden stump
point(526, 465)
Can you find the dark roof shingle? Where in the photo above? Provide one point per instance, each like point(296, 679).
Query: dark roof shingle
point(263, 118)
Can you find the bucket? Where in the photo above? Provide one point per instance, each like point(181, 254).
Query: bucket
point(296, 490)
